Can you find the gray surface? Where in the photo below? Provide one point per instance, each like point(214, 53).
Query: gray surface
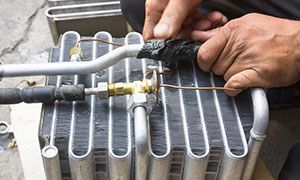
point(283, 132)
point(25, 37)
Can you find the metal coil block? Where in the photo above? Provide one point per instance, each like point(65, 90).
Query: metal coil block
point(189, 135)
point(85, 17)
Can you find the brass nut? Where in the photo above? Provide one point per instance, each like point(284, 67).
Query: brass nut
point(75, 50)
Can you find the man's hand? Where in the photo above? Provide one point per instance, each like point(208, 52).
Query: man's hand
point(164, 18)
point(169, 18)
point(254, 50)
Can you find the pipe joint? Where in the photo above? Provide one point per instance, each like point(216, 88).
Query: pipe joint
point(139, 100)
point(257, 137)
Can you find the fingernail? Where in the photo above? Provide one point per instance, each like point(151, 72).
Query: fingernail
point(161, 30)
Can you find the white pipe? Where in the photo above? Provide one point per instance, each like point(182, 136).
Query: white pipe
point(258, 131)
point(51, 163)
point(141, 142)
point(70, 68)
point(261, 112)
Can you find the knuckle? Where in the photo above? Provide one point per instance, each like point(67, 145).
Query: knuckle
point(232, 25)
point(202, 59)
point(250, 15)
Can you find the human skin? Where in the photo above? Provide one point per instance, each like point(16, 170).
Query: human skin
point(168, 18)
point(251, 51)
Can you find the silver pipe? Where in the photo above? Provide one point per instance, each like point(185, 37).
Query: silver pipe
point(51, 163)
point(50, 152)
point(119, 164)
point(70, 68)
point(254, 149)
point(232, 164)
point(141, 142)
point(258, 131)
point(261, 112)
point(195, 164)
point(231, 167)
point(91, 91)
point(82, 166)
point(159, 165)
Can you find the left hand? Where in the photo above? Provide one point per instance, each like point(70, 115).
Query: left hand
point(254, 50)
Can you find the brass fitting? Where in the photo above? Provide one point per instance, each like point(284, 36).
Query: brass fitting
point(76, 53)
point(145, 86)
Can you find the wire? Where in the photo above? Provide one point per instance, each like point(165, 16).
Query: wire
point(98, 40)
point(197, 88)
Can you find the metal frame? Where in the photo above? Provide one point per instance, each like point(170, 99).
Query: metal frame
point(151, 166)
point(259, 130)
point(86, 18)
point(81, 166)
point(119, 165)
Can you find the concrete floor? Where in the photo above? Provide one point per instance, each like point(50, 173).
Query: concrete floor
point(26, 38)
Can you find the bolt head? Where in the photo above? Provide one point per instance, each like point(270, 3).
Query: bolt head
point(139, 99)
point(103, 90)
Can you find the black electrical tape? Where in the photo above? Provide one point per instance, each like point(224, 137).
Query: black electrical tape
point(10, 96)
point(38, 94)
point(170, 51)
point(45, 94)
point(70, 93)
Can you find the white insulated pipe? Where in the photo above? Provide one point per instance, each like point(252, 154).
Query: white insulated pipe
point(70, 68)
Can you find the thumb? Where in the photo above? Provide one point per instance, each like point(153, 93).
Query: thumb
point(173, 18)
point(243, 80)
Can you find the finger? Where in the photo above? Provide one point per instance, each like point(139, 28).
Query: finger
point(217, 18)
point(211, 49)
point(172, 18)
point(152, 17)
point(213, 19)
point(224, 20)
point(232, 70)
point(243, 80)
point(150, 22)
point(202, 25)
point(203, 35)
point(225, 64)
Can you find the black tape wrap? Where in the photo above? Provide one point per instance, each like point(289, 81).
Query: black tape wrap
point(44, 94)
point(10, 96)
point(170, 51)
point(70, 93)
